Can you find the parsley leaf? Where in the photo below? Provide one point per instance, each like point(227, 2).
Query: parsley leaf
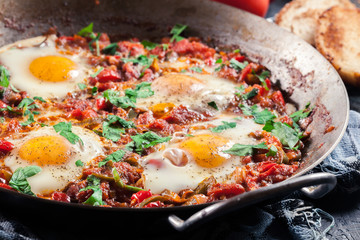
point(260, 117)
point(142, 90)
point(262, 77)
point(19, 181)
point(213, 105)
point(149, 45)
point(176, 31)
point(272, 151)
point(87, 31)
point(4, 77)
point(238, 65)
point(114, 98)
point(79, 163)
point(224, 126)
point(115, 157)
point(110, 49)
point(244, 150)
point(250, 94)
point(93, 184)
point(146, 140)
point(287, 135)
point(113, 131)
point(301, 114)
point(141, 60)
point(64, 129)
point(196, 69)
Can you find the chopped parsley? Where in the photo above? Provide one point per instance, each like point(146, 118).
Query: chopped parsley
point(115, 157)
point(149, 45)
point(285, 133)
point(64, 129)
point(4, 77)
point(260, 117)
point(110, 49)
point(244, 150)
point(119, 101)
point(114, 127)
point(96, 197)
point(238, 65)
point(224, 126)
point(19, 178)
point(142, 90)
point(176, 31)
point(79, 163)
point(146, 140)
point(213, 105)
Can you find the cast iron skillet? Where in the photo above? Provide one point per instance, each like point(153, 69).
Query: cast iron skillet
point(301, 72)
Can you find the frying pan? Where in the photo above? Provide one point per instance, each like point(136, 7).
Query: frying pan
point(297, 68)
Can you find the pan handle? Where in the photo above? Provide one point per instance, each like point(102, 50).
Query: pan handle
point(326, 182)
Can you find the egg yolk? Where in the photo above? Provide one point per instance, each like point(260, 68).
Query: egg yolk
point(177, 84)
point(46, 150)
point(206, 149)
point(52, 68)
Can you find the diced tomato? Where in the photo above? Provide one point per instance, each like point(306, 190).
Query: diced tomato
point(244, 73)
point(2, 104)
point(108, 74)
point(154, 204)
point(278, 98)
point(268, 83)
point(193, 49)
point(226, 190)
point(77, 113)
point(88, 113)
point(6, 146)
point(105, 86)
point(60, 196)
point(4, 185)
point(101, 103)
point(131, 48)
point(141, 196)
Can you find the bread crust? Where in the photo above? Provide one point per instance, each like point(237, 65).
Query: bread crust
point(300, 16)
point(338, 39)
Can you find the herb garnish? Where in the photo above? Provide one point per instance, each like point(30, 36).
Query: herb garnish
point(213, 105)
point(224, 126)
point(4, 77)
point(19, 181)
point(146, 140)
point(260, 117)
point(176, 31)
point(238, 65)
point(93, 184)
point(115, 157)
point(114, 127)
point(244, 150)
point(64, 129)
point(285, 133)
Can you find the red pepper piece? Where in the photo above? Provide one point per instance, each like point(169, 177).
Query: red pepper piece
point(4, 185)
point(108, 75)
point(60, 196)
point(6, 146)
point(154, 204)
point(244, 73)
point(141, 196)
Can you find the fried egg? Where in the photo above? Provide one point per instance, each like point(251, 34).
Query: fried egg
point(188, 159)
point(43, 70)
point(55, 155)
point(193, 90)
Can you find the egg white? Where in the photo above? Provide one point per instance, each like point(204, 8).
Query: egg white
point(176, 178)
point(56, 177)
point(17, 59)
point(196, 97)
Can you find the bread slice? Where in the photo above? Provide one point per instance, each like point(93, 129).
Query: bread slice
point(338, 39)
point(300, 16)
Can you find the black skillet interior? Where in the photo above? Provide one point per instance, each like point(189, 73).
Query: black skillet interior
point(303, 74)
